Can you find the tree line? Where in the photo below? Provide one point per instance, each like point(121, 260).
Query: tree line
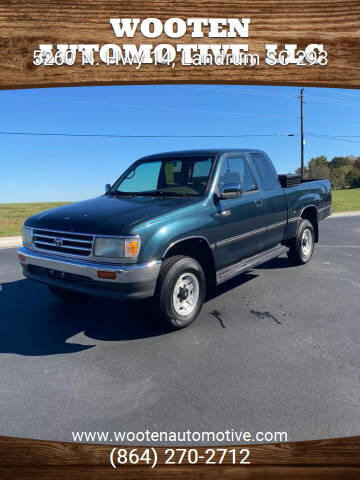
point(343, 172)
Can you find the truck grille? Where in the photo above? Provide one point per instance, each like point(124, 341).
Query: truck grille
point(69, 243)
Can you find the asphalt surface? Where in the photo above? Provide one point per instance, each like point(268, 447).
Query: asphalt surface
point(276, 350)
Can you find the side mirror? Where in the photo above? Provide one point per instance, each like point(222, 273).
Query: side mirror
point(231, 190)
point(107, 187)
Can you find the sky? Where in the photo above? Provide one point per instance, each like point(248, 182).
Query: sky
point(70, 168)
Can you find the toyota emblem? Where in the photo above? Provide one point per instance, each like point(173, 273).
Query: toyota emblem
point(58, 242)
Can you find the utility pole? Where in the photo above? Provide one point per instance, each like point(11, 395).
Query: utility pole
point(302, 131)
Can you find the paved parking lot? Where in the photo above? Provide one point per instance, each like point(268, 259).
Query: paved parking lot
point(276, 350)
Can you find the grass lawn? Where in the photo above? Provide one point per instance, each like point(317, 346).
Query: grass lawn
point(12, 215)
point(346, 200)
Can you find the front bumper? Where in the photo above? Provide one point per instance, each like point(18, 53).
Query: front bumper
point(133, 281)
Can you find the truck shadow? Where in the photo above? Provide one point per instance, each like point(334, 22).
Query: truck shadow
point(230, 285)
point(33, 322)
point(280, 262)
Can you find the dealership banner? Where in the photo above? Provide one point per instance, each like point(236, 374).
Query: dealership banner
point(103, 42)
point(184, 44)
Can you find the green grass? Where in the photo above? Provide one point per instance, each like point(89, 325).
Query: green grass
point(12, 215)
point(346, 200)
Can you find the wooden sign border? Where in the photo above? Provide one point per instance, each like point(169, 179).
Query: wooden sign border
point(24, 25)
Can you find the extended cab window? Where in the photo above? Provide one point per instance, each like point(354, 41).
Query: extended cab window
point(236, 170)
point(168, 176)
point(268, 178)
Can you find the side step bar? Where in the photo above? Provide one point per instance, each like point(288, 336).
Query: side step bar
point(249, 263)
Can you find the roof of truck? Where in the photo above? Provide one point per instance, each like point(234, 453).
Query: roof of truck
point(208, 151)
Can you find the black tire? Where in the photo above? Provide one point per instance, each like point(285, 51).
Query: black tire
point(66, 295)
point(184, 270)
point(302, 246)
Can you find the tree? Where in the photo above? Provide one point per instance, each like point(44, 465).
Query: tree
point(356, 163)
point(337, 162)
point(318, 167)
point(338, 177)
point(319, 161)
point(321, 171)
point(343, 172)
point(353, 178)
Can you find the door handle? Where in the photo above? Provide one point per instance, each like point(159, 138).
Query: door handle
point(258, 203)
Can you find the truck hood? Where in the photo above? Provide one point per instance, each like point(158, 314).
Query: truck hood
point(108, 215)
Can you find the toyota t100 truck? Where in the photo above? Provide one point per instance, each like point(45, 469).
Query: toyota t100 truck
point(173, 226)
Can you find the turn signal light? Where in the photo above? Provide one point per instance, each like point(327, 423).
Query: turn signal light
point(106, 274)
point(132, 248)
point(21, 257)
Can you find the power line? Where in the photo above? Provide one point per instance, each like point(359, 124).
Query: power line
point(343, 138)
point(239, 92)
point(353, 124)
point(174, 109)
point(110, 135)
point(347, 94)
point(328, 100)
point(151, 107)
point(333, 138)
point(269, 94)
point(217, 89)
point(336, 136)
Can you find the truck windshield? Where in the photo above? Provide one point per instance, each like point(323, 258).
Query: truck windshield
point(172, 176)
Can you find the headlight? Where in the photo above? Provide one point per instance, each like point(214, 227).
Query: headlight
point(117, 247)
point(27, 236)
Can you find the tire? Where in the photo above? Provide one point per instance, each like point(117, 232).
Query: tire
point(180, 292)
point(66, 295)
point(302, 246)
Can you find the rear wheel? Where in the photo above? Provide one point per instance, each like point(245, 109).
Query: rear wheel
point(66, 295)
point(180, 291)
point(302, 246)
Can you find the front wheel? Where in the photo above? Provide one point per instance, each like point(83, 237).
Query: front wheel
point(180, 291)
point(302, 246)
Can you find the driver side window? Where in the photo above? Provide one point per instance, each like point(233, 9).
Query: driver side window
point(237, 170)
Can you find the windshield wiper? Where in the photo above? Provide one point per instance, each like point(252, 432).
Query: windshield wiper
point(153, 193)
point(118, 193)
point(162, 193)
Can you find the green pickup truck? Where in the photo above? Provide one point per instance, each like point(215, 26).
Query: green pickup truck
point(173, 226)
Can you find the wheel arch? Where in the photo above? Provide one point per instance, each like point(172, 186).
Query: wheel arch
point(310, 213)
point(196, 247)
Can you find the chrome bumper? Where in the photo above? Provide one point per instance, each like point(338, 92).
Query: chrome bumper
point(137, 279)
